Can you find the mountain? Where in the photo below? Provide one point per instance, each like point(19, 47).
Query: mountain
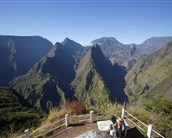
point(15, 112)
point(19, 53)
point(151, 78)
point(47, 83)
point(71, 72)
point(128, 54)
point(110, 40)
point(117, 52)
point(153, 44)
point(95, 79)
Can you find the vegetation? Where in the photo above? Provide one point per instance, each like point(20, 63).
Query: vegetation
point(55, 79)
point(88, 84)
point(158, 113)
point(96, 79)
point(16, 113)
point(106, 109)
point(76, 107)
point(69, 73)
point(32, 87)
point(47, 84)
point(151, 77)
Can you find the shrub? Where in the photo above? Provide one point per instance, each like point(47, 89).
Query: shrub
point(76, 107)
point(160, 106)
point(53, 115)
point(89, 108)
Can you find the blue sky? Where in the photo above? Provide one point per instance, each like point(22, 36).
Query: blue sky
point(83, 21)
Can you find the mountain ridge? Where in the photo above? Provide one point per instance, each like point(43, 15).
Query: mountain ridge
point(153, 44)
point(100, 71)
point(56, 73)
point(150, 73)
point(58, 69)
point(19, 54)
point(53, 73)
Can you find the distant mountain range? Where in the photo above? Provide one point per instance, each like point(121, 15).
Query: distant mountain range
point(52, 74)
point(128, 54)
point(116, 51)
point(153, 44)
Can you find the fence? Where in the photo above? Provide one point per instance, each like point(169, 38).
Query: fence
point(44, 130)
point(68, 120)
point(150, 133)
point(59, 125)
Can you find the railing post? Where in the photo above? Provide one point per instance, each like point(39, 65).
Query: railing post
point(67, 120)
point(123, 113)
point(27, 135)
point(91, 116)
point(124, 105)
point(149, 131)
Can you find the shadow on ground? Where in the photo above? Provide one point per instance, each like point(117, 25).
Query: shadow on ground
point(76, 125)
point(134, 133)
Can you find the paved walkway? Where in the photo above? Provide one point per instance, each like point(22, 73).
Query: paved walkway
point(91, 131)
point(94, 133)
